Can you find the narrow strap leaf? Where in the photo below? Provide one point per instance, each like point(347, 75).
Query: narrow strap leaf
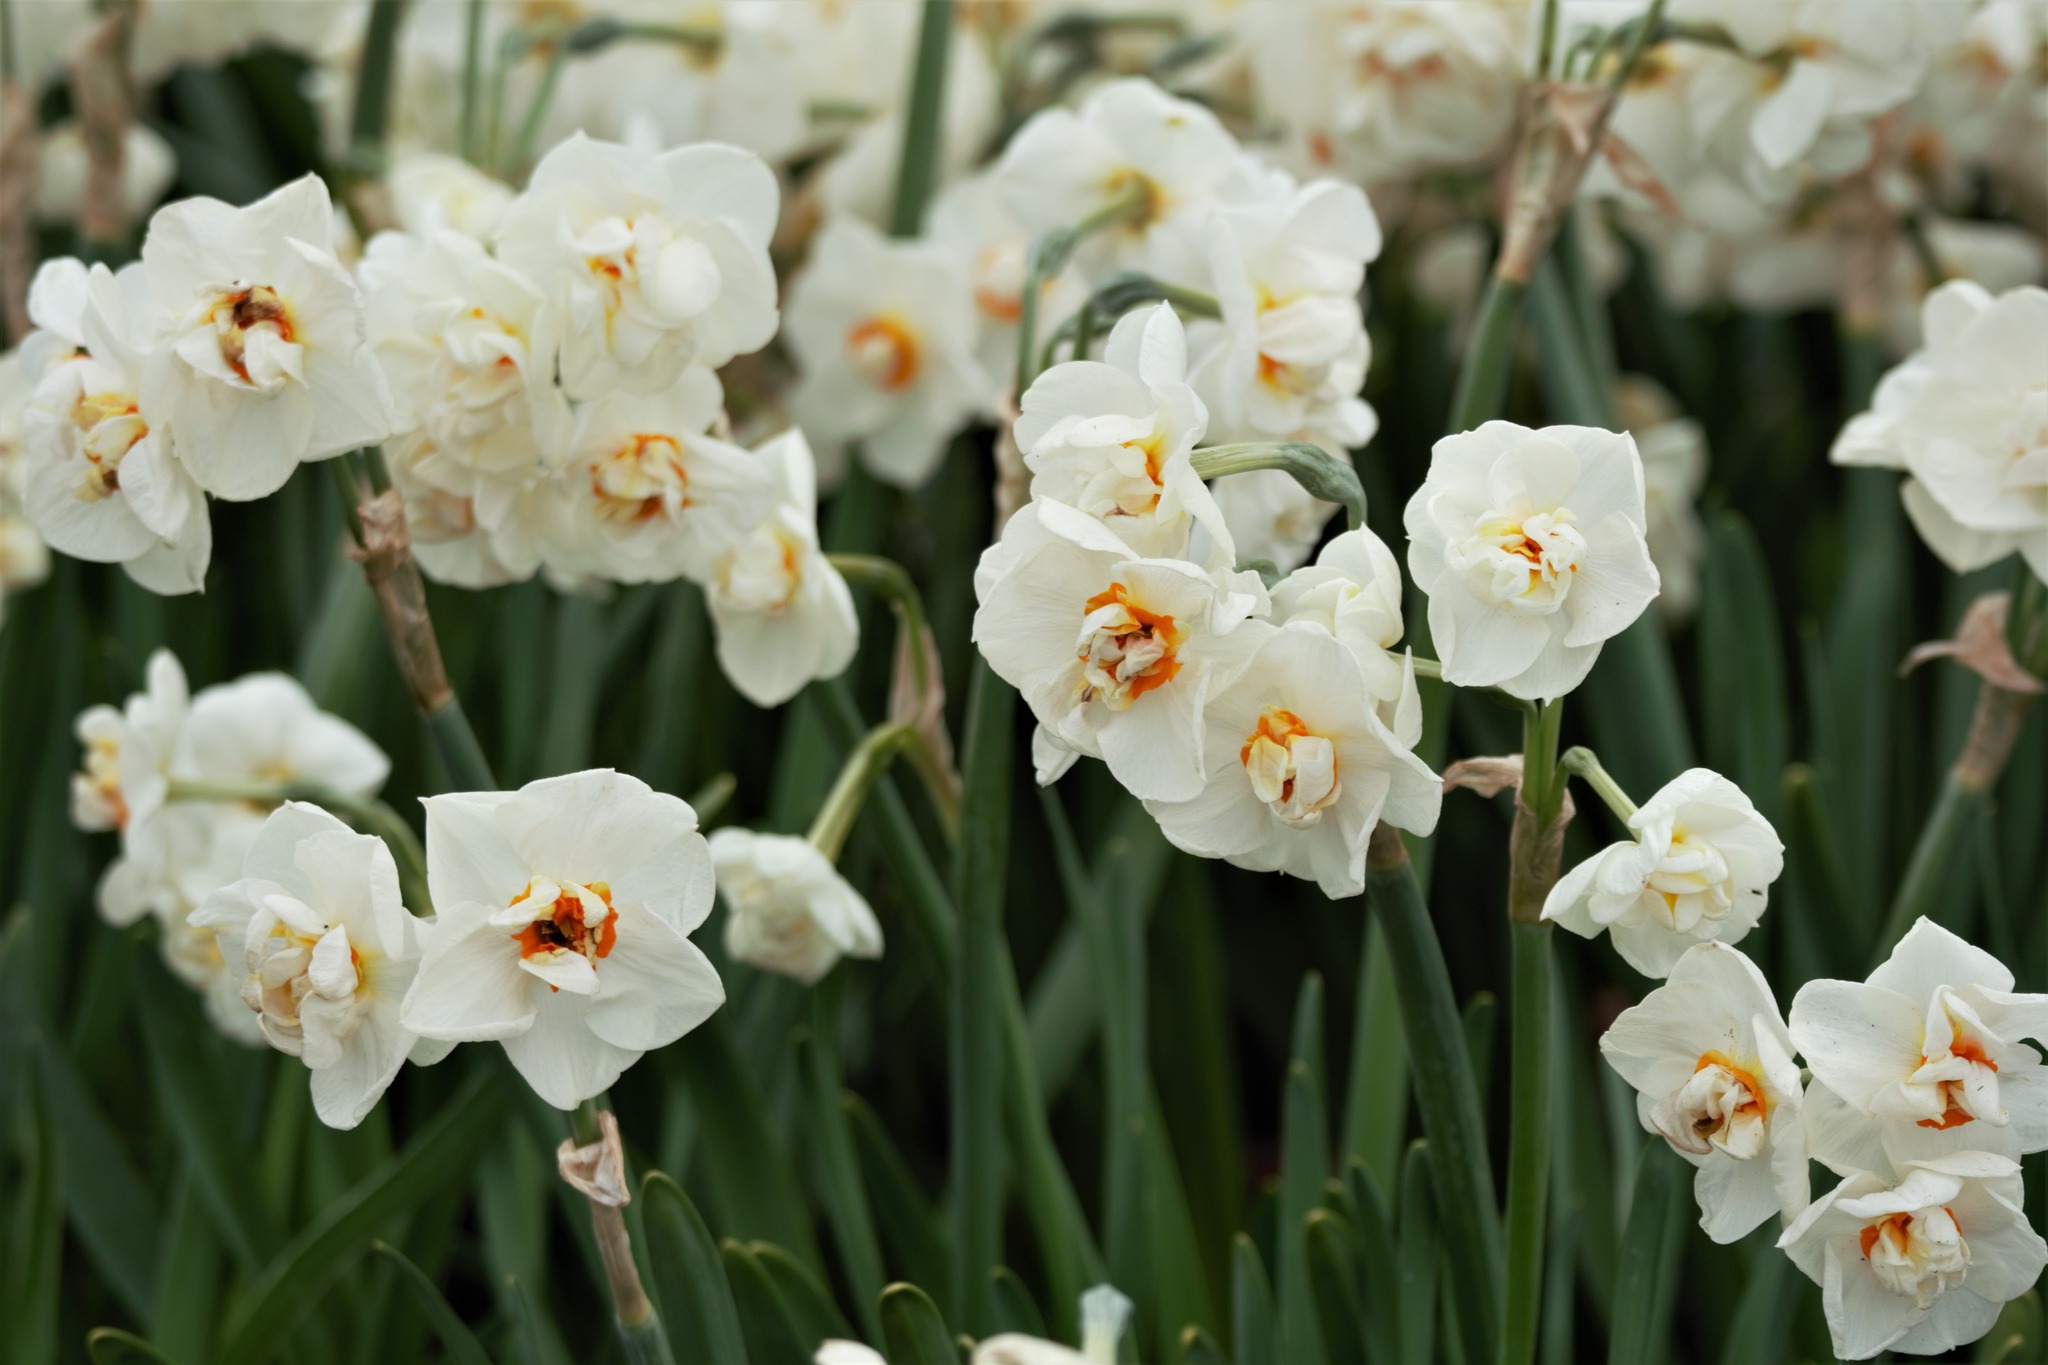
point(689, 1275)
point(460, 1343)
point(912, 1330)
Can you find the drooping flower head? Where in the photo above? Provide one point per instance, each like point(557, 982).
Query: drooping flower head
point(787, 908)
point(1699, 868)
point(1711, 1062)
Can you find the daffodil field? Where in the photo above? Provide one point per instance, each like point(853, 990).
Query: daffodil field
point(1023, 682)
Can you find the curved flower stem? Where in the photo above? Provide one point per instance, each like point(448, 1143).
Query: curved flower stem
point(366, 813)
point(1483, 378)
point(929, 749)
point(866, 763)
point(1585, 765)
point(1965, 797)
point(923, 121)
point(892, 581)
point(370, 121)
point(1445, 1092)
point(1320, 473)
point(1050, 253)
point(1118, 295)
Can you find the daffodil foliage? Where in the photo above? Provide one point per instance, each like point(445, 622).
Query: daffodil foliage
point(1023, 684)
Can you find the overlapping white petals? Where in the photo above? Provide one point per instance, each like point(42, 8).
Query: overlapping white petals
point(1530, 546)
point(1699, 869)
point(787, 908)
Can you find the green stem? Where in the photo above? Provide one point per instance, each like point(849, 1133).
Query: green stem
point(869, 760)
point(1572, 386)
point(1049, 255)
point(1320, 473)
point(470, 137)
point(846, 1199)
point(1445, 1091)
point(1542, 780)
point(917, 168)
point(456, 742)
point(975, 1060)
point(1489, 355)
point(1528, 1138)
point(893, 583)
point(367, 814)
point(1119, 295)
point(370, 119)
point(1584, 764)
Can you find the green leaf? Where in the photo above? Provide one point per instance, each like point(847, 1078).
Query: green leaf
point(1648, 1246)
point(1379, 1264)
point(1762, 1324)
point(191, 1100)
point(902, 1212)
point(1304, 1166)
point(1635, 711)
point(36, 1233)
point(1447, 1098)
point(1419, 1250)
point(188, 1278)
point(1745, 706)
point(1481, 1021)
point(1531, 1045)
point(456, 1338)
point(924, 120)
point(1180, 1294)
point(112, 1346)
point(1253, 1340)
point(975, 1055)
point(1016, 1310)
point(845, 1197)
point(772, 1329)
point(912, 1330)
point(112, 1210)
point(807, 1300)
point(1376, 1096)
point(1332, 1253)
point(301, 1273)
point(689, 1275)
point(752, 1188)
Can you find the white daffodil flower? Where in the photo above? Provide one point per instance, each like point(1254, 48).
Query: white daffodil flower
point(1270, 516)
point(265, 728)
point(24, 557)
point(1384, 90)
point(1291, 351)
point(1128, 137)
point(653, 496)
point(1927, 1053)
point(1353, 592)
point(468, 348)
point(971, 220)
point(563, 914)
point(784, 615)
point(263, 363)
point(1699, 869)
point(1711, 1063)
point(124, 782)
point(148, 168)
point(1530, 546)
point(1114, 653)
point(1300, 768)
point(1967, 417)
point(658, 260)
point(1820, 71)
point(325, 952)
point(884, 336)
point(787, 908)
point(1115, 438)
point(99, 479)
point(1923, 1264)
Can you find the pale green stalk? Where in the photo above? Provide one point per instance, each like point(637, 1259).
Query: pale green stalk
point(869, 760)
point(1321, 474)
point(1585, 765)
point(917, 168)
point(1050, 254)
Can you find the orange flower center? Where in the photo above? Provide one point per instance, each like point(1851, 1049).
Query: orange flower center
point(561, 926)
point(1135, 635)
point(886, 351)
